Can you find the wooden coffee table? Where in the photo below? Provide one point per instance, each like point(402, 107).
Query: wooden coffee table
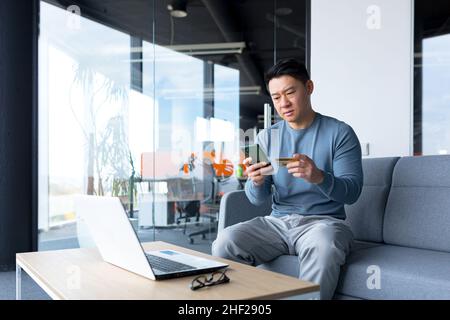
point(82, 274)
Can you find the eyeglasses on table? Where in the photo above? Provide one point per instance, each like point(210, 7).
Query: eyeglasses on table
point(215, 278)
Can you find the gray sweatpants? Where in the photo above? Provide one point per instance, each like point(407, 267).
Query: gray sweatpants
point(320, 242)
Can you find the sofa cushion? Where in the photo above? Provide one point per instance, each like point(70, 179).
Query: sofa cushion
point(286, 264)
point(235, 207)
point(418, 207)
point(289, 265)
point(405, 273)
point(365, 217)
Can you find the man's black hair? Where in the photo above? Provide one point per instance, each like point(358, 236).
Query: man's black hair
point(287, 67)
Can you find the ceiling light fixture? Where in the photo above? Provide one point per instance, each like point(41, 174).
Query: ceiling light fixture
point(283, 11)
point(208, 93)
point(209, 48)
point(178, 8)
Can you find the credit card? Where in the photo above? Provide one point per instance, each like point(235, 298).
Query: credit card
point(284, 161)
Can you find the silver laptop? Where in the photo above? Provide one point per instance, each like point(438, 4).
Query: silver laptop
point(119, 245)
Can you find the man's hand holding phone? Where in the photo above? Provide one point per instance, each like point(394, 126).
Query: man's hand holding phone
point(257, 172)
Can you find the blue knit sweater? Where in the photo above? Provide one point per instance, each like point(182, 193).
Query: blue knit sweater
point(334, 148)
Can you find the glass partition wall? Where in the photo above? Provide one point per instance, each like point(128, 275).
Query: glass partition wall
point(431, 78)
point(149, 102)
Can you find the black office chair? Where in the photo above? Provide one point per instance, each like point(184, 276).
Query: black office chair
point(187, 210)
point(211, 202)
point(190, 210)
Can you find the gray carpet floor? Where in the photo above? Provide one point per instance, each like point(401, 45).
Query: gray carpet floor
point(63, 238)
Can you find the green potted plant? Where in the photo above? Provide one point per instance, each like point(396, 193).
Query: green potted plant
point(126, 190)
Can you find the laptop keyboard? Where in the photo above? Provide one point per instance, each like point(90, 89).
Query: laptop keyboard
point(167, 265)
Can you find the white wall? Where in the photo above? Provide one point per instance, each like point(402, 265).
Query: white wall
point(361, 63)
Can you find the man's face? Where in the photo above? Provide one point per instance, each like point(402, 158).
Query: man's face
point(290, 97)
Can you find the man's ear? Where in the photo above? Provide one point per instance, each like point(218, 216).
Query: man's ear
point(309, 87)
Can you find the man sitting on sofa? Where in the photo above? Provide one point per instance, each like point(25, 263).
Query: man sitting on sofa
point(308, 194)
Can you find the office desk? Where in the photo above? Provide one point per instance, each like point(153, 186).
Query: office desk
point(179, 189)
point(82, 274)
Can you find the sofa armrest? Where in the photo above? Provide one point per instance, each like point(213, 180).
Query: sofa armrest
point(235, 207)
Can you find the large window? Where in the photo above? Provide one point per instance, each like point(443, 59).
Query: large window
point(84, 114)
point(432, 78)
point(436, 95)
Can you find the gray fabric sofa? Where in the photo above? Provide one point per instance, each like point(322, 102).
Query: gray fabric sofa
point(401, 224)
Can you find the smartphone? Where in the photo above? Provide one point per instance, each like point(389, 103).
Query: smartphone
point(256, 153)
